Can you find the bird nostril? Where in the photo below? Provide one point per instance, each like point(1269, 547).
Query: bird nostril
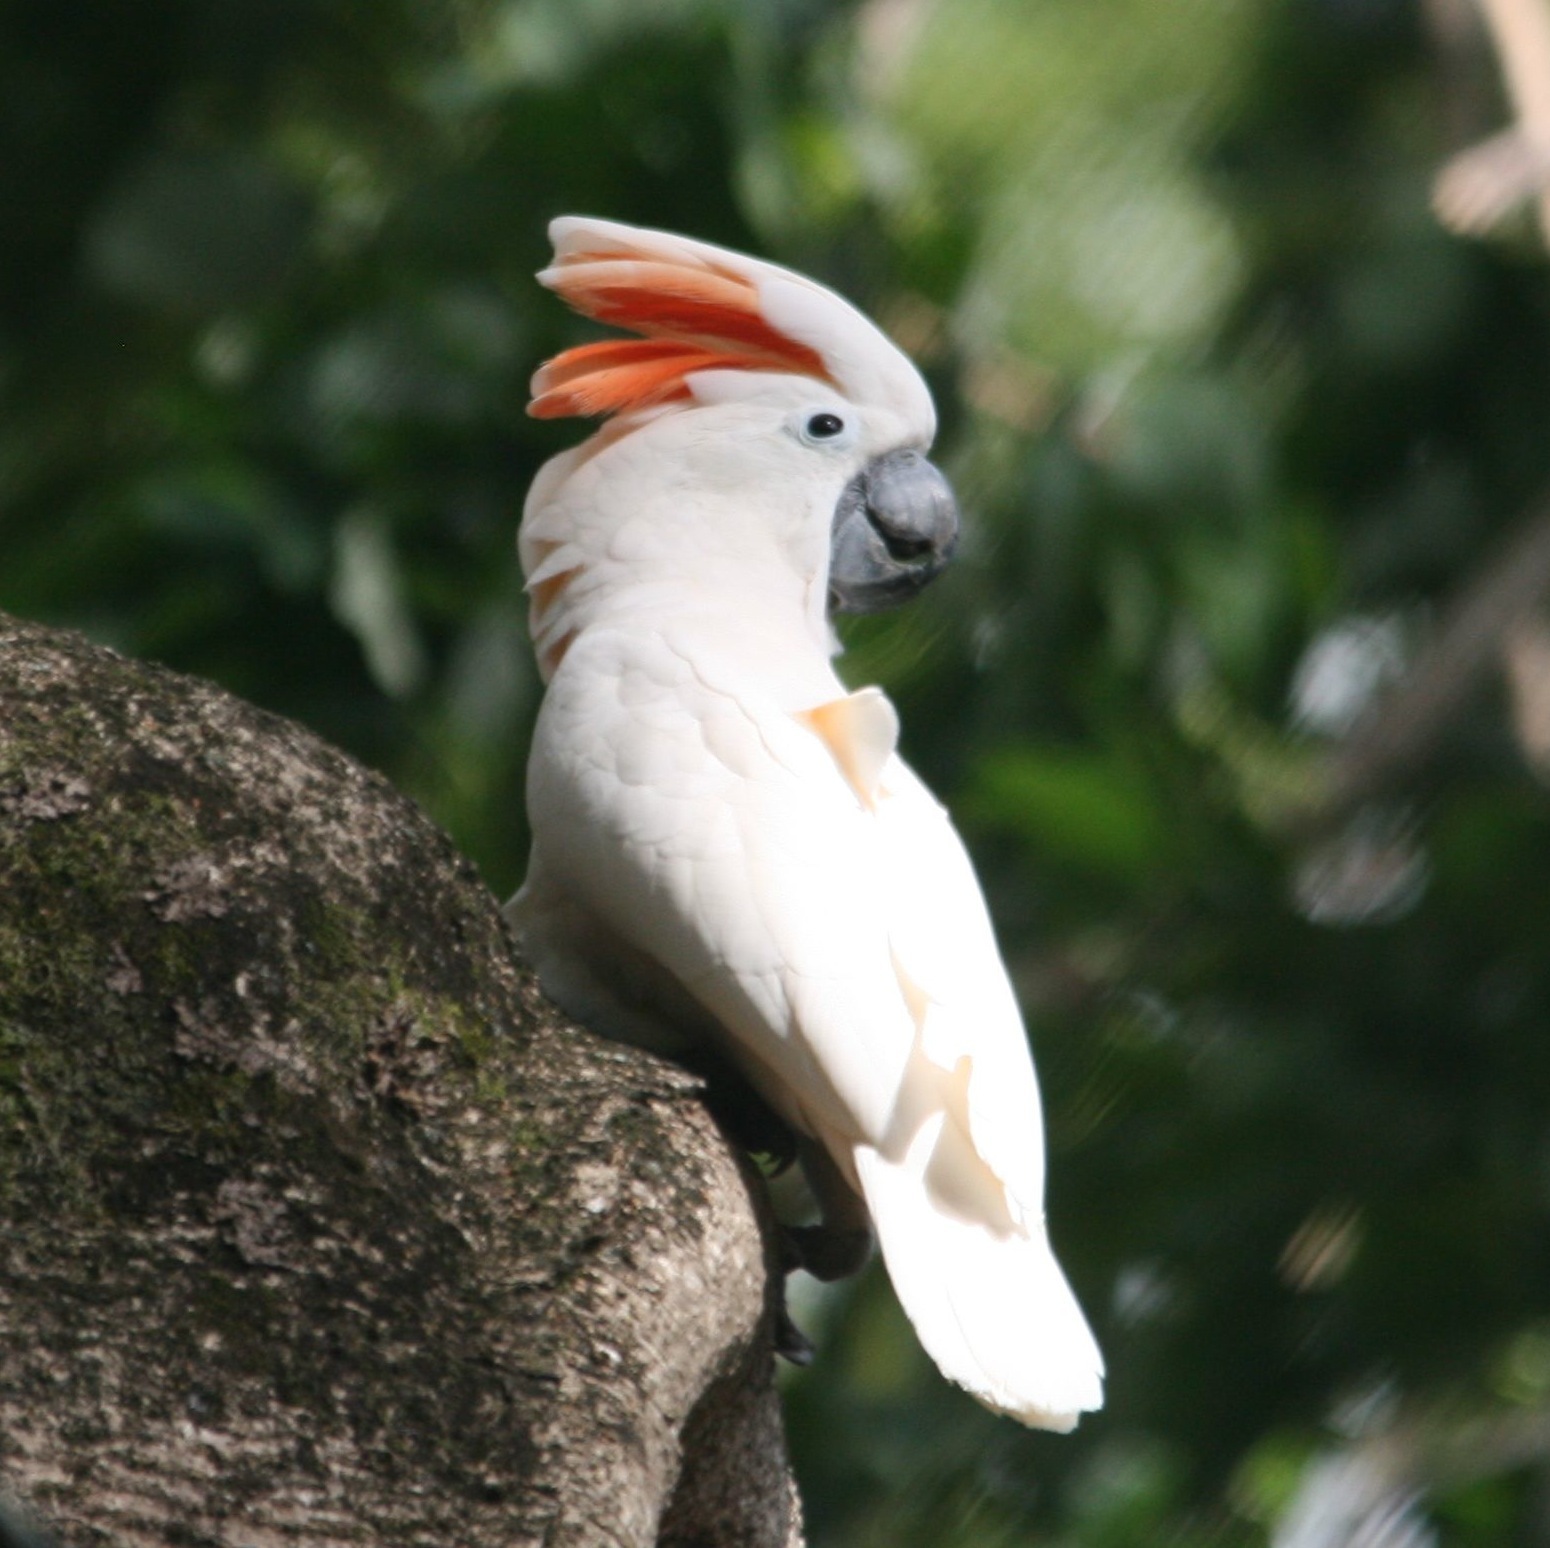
point(904, 548)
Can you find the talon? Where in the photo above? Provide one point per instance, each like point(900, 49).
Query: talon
point(791, 1343)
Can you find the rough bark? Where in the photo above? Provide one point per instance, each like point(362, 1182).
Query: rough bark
point(320, 1225)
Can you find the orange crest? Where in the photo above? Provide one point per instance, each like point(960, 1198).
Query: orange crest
point(694, 317)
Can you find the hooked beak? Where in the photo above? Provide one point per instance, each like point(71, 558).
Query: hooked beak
point(895, 528)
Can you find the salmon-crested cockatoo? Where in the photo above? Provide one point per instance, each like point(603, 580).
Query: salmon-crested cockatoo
point(727, 847)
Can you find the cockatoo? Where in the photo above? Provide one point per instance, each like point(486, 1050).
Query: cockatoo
point(727, 847)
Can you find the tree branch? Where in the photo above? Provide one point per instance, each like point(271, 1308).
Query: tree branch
point(1402, 729)
point(1481, 185)
point(321, 1225)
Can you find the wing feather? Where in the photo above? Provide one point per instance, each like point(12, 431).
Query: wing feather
point(839, 946)
point(820, 915)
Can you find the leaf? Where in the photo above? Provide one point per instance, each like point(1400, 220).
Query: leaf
point(1086, 807)
point(197, 233)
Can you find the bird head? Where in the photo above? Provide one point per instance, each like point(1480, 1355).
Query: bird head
point(754, 376)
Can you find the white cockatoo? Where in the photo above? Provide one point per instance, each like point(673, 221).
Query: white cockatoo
point(726, 845)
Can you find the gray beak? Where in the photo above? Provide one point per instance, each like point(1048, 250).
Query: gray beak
point(894, 530)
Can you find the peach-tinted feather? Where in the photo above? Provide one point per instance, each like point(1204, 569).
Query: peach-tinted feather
point(629, 374)
point(603, 356)
point(694, 319)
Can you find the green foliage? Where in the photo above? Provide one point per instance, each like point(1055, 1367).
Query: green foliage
point(1223, 403)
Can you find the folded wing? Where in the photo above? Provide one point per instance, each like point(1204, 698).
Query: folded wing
point(805, 891)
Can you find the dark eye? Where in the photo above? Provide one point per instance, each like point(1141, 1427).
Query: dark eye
point(824, 427)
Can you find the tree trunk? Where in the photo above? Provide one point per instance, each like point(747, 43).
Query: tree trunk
point(320, 1225)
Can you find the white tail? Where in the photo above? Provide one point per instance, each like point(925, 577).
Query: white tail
point(990, 1305)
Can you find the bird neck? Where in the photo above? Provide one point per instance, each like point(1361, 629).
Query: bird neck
point(676, 563)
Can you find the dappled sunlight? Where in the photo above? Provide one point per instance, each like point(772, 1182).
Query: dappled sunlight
point(1239, 687)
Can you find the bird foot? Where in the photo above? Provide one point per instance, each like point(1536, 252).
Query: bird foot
point(827, 1254)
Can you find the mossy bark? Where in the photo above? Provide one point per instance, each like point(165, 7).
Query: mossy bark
point(320, 1225)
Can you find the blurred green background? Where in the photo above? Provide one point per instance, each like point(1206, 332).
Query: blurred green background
point(1235, 423)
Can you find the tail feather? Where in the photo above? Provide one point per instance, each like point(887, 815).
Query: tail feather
point(990, 1305)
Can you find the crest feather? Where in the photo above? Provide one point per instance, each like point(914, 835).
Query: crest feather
point(701, 308)
point(619, 375)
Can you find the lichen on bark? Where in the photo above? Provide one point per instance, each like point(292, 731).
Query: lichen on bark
point(321, 1225)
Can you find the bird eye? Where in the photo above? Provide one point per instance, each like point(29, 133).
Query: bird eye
point(824, 427)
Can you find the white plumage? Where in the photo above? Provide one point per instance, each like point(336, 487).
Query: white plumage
point(726, 844)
